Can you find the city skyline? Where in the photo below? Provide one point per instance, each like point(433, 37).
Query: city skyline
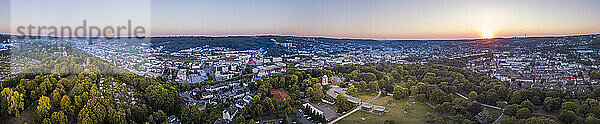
point(385, 20)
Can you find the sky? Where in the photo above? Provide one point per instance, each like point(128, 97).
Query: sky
point(373, 19)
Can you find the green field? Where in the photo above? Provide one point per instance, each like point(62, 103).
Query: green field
point(366, 96)
point(415, 115)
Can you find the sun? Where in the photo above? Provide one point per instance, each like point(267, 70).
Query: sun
point(488, 33)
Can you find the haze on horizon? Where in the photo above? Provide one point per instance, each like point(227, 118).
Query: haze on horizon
point(375, 19)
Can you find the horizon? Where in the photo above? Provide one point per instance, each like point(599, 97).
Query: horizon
point(351, 38)
point(378, 20)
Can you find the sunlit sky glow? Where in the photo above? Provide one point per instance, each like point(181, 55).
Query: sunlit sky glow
point(376, 19)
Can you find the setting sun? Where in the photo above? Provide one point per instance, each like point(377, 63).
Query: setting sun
point(488, 33)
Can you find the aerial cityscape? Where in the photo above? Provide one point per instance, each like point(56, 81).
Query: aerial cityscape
point(213, 65)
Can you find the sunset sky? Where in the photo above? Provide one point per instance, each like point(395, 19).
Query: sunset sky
point(376, 19)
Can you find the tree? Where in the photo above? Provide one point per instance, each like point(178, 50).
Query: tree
point(342, 103)
point(117, 117)
point(93, 112)
point(569, 106)
point(157, 117)
point(400, 92)
point(483, 117)
point(592, 120)
point(472, 95)
point(527, 104)
point(428, 115)
point(439, 96)
point(458, 118)
point(59, 118)
point(523, 113)
point(473, 109)
point(56, 97)
point(351, 90)
point(511, 110)
point(566, 116)
point(13, 101)
point(65, 101)
point(444, 107)
point(191, 115)
point(551, 104)
point(139, 113)
point(540, 120)
point(367, 77)
point(43, 107)
point(594, 75)
point(165, 98)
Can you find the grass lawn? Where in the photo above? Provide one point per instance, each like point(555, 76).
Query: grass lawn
point(416, 115)
point(26, 117)
point(495, 113)
point(366, 96)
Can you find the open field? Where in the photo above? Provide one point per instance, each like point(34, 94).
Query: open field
point(366, 96)
point(416, 113)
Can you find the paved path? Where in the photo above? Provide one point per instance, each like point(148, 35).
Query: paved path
point(274, 120)
point(444, 113)
point(356, 109)
point(497, 121)
point(547, 115)
point(486, 105)
point(462, 96)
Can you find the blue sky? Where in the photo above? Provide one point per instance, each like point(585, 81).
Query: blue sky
point(378, 19)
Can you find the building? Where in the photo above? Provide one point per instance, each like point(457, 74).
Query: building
point(378, 110)
point(367, 107)
point(328, 100)
point(325, 80)
point(229, 113)
point(329, 113)
point(354, 99)
point(337, 80)
point(182, 75)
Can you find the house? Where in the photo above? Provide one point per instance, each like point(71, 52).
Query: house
point(328, 100)
point(229, 113)
point(182, 75)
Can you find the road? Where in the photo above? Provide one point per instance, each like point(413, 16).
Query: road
point(356, 109)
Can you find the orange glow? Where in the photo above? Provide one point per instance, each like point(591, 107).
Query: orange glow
point(488, 33)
